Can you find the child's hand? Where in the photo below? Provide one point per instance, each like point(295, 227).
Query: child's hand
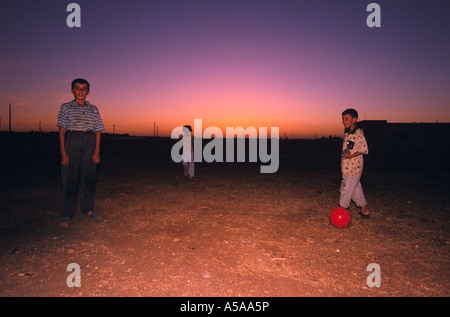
point(346, 154)
point(64, 159)
point(96, 157)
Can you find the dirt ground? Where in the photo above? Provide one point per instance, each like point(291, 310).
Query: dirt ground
point(230, 232)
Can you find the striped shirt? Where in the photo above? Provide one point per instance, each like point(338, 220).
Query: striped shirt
point(76, 118)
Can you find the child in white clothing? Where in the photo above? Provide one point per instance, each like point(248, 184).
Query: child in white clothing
point(188, 156)
point(352, 162)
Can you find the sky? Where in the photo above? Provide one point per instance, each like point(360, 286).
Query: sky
point(295, 65)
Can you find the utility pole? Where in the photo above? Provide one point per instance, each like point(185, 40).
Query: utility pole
point(10, 118)
point(154, 128)
point(40, 126)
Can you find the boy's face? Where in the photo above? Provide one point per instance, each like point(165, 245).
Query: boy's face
point(80, 92)
point(348, 121)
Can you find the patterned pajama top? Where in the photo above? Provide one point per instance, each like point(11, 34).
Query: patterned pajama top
point(354, 141)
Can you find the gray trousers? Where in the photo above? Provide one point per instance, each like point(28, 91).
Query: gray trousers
point(82, 170)
point(351, 189)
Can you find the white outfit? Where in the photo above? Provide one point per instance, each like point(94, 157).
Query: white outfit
point(188, 164)
point(352, 169)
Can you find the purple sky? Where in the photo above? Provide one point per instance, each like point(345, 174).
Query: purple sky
point(295, 65)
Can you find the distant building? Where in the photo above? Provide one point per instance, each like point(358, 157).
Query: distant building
point(380, 131)
point(416, 145)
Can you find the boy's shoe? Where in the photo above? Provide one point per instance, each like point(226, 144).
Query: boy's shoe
point(64, 222)
point(92, 215)
point(363, 216)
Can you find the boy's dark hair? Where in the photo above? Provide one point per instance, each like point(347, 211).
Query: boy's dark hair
point(188, 127)
point(352, 112)
point(80, 81)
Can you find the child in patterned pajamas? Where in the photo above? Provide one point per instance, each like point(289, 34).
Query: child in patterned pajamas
point(352, 162)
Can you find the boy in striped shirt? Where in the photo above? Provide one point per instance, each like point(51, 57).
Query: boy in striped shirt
point(80, 127)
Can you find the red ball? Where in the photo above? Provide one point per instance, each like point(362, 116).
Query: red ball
point(340, 217)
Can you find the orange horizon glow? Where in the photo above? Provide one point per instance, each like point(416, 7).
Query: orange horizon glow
point(293, 121)
point(305, 127)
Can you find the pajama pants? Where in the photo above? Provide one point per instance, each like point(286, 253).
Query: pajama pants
point(351, 189)
point(189, 167)
point(80, 147)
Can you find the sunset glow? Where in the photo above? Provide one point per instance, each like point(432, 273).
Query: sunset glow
point(289, 64)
